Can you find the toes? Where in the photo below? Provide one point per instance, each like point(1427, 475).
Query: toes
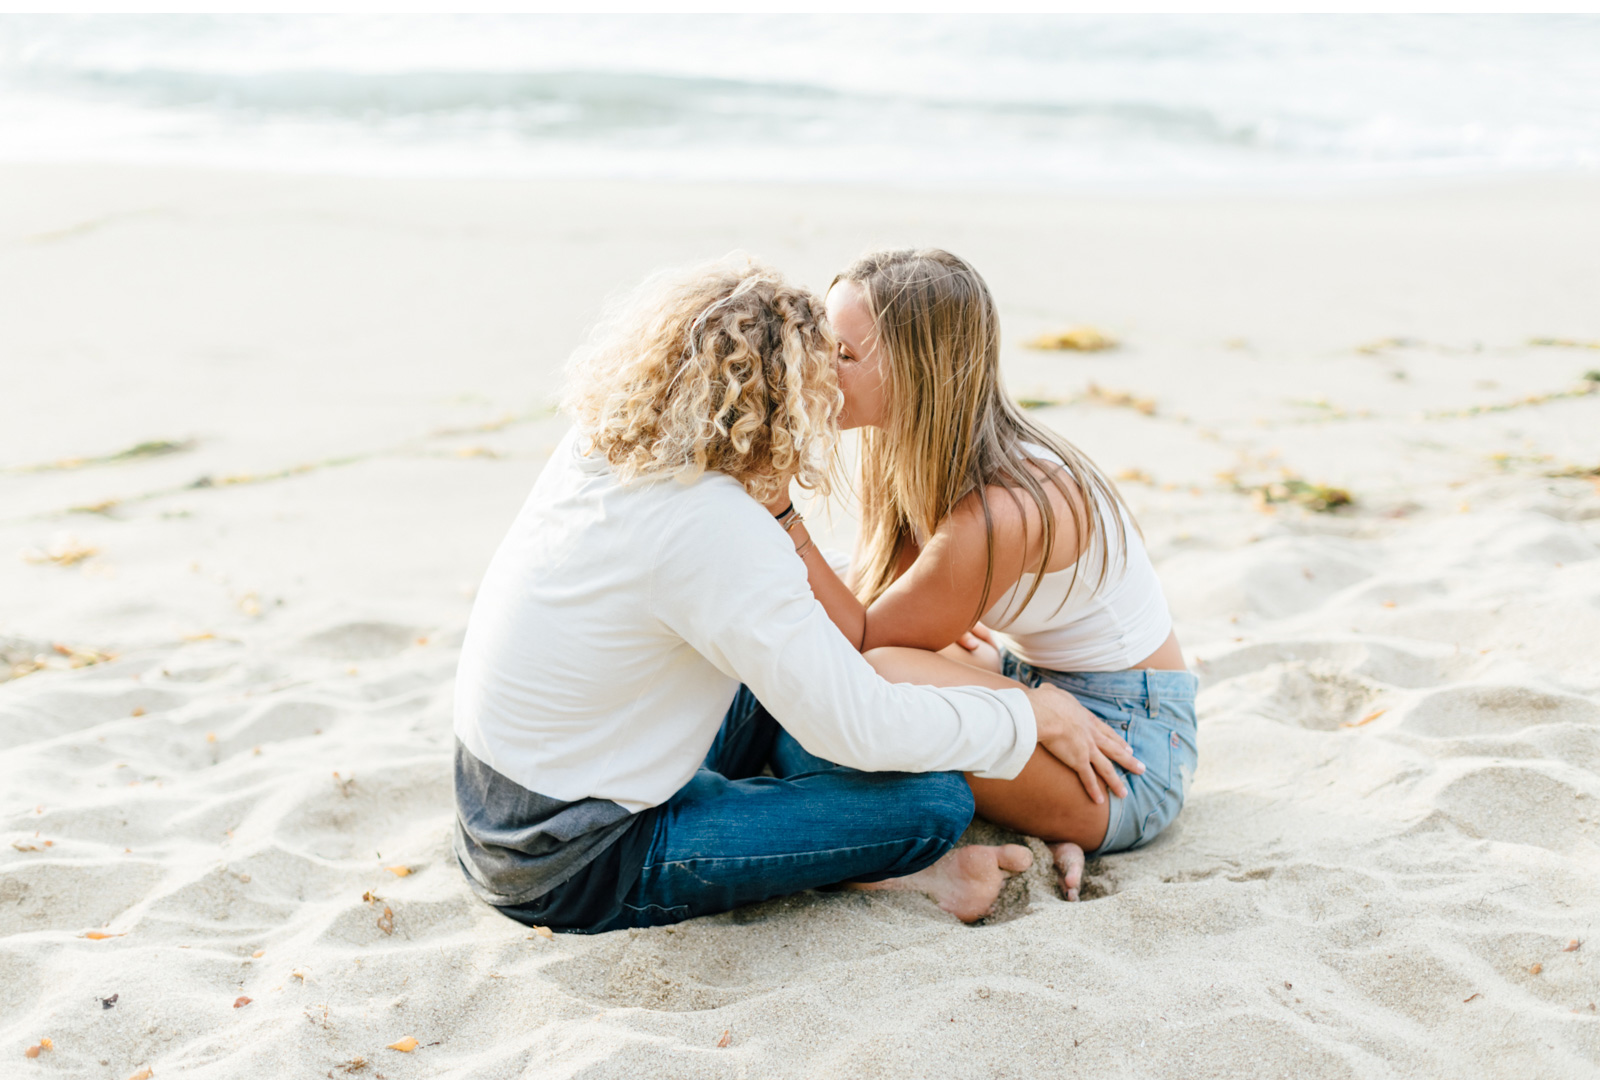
point(1014, 858)
point(1069, 868)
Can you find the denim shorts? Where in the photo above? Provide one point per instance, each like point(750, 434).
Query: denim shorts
point(1154, 713)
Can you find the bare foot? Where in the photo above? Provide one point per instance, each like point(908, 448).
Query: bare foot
point(1069, 867)
point(966, 882)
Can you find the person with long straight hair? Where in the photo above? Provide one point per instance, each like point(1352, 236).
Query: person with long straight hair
point(987, 539)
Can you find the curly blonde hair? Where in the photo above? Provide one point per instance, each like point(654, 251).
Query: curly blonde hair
point(724, 367)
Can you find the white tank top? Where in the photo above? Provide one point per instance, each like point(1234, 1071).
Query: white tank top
point(1072, 625)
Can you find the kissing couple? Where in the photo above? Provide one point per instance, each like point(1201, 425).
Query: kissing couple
point(670, 704)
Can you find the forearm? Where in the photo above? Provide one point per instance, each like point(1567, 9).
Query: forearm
point(833, 594)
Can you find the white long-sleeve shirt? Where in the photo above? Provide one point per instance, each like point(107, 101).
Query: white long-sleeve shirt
point(616, 622)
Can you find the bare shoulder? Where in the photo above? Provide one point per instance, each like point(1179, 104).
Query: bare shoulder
point(1016, 518)
point(1059, 485)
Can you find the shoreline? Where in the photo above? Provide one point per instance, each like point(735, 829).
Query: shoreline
point(1298, 189)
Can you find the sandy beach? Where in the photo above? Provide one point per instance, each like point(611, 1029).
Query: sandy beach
point(259, 436)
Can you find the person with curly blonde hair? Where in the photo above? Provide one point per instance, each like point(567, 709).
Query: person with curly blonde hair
point(644, 647)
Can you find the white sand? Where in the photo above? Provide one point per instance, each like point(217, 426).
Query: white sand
point(1388, 899)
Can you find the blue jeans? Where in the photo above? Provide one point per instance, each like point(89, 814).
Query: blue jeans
point(1154, 713)
point(731, 836)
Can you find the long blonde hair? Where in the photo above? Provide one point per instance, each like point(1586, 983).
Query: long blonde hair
point(724, 367)
point(950, 428)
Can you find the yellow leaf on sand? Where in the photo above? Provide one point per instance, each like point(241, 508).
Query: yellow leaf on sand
point(65, 551)
point(240, 1002)
point(1075, 338)
point(99, 935)
point(143, 1074)
point(259, 953)
point(727, 1037)
point(1367, 719)
point(544, 931)
point(47, 1044)
point(405, 1045)
point(398, 871)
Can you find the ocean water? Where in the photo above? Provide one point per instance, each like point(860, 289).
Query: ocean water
point(1165, 102)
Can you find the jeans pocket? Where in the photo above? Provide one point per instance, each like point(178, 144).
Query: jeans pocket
point(1151, 744)
point(1185, 757)
point(1174, 747)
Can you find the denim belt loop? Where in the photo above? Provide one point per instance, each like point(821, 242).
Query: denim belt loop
point(1152, 700)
